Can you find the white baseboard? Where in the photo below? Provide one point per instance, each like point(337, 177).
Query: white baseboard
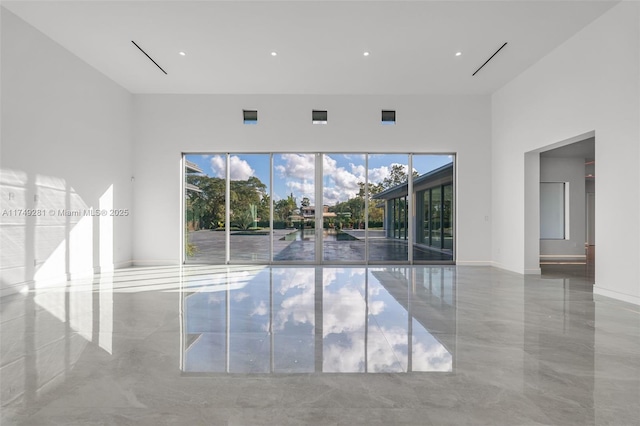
point(616, 295)
point(155, 263)
point(112, 268)
point(506, 268)
point(124, 264)
point(474, 263)
point(526, 271)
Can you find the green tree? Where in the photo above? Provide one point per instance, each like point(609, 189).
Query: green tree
point(284, 208)
point(210, 201)
point(397, 176)
point(244, 194)
point(264, 208)
point(208, 206)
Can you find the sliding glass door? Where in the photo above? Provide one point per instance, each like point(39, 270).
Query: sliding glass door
point(433, 189)
point(343, 208)
point(387, 238)
point(250, 207)
point(332, 208)
point(204, 208)
point(294, 207)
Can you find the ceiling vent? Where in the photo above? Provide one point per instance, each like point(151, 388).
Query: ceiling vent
point(319, 117)
point(150, 58)
point(388, 117)
point(490, 58)
point(250, 116)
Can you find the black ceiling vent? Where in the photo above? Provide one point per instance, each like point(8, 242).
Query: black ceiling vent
point(150, 58)
point(319, 117)
point(388, 116)
point(250, 116)
point(485, 62)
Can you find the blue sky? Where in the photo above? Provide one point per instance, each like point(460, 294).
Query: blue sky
point(294, 173)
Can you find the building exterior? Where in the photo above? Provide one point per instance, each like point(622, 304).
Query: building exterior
point(433, 223)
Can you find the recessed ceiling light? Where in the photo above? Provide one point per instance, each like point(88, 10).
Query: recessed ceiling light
point(458, 53)
point(181, 53)
point(366, 53)
point(274, 53)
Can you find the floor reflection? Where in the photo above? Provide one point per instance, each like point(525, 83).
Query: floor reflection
point(162, 345)
point(332, 320)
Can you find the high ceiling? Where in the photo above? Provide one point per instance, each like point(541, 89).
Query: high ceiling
point(320, 45)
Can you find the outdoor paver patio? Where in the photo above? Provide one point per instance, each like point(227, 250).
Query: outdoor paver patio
point(210, 248)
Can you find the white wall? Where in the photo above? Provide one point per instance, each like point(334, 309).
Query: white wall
point(167, 125)
point(590, 83)
point(571, 171)
point(66, 145)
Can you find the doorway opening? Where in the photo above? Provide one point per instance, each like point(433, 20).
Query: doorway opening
point(567, 209)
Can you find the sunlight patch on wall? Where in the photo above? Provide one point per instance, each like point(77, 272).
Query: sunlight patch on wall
point(12, 227)
point(81, 247)
point(49, 230)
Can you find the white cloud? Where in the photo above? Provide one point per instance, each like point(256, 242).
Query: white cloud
point(298, 308)
point(430, 355)
point(260, 310)
point(340, 183)
point(297, 166)
point(298, 173)
point(239, 296)
point(378, 174)
point(358, 170)
point(301, 190)
point(218, 166)
point(328, 164)
point(331, 195)
point(240, 169)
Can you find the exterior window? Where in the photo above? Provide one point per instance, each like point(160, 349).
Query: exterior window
point(447, 217)
point(317, 208)
point(436, 217)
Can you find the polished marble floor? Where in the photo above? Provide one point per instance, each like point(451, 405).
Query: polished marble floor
point(421, 345)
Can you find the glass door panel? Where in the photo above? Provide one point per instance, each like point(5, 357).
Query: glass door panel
point(434, 214)
point(387, 175)
point(343, 208)
point(424, 217)
point(447, 217)
point(403, 220)
point(361, 206)
point(294, 207)
point(436, 217)
point(204, 213)
point(249, 208)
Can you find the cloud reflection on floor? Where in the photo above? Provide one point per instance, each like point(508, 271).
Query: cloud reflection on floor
point(330, 320)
